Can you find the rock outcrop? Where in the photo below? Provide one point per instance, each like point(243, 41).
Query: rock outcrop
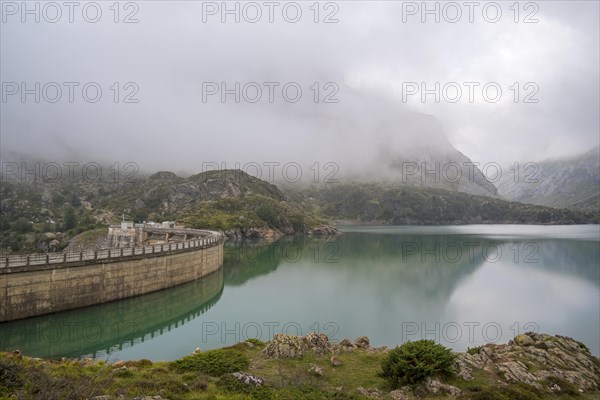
point(435, 387)
point(323, 230)
point(315, 369)
point(248, 379)
point(536, 359)
point(286, 346)
point(549, 364)
point(369, 392)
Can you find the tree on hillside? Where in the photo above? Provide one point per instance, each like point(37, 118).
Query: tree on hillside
point(70, 219)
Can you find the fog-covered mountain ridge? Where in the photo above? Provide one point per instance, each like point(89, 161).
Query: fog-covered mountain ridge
point(572, 182)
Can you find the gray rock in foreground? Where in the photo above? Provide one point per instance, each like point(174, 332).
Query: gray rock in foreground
point(535, 359)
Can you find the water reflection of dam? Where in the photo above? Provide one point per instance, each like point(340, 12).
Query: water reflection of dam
point(107, 327)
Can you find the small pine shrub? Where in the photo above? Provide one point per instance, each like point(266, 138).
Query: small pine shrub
point(255, 341)
point(414, 361)
point(583, 346)
point(213, 362)
point(143, 363)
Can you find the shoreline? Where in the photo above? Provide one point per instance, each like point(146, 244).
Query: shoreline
point(531, 366)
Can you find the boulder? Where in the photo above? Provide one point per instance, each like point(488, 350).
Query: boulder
point(362, 342)
point(247, 378)
point(398, 395)
point(369, 392)
point(335, 362)
point(318, 342)
point(523, 340)
point(316, 370)
point(433, 386)
point(287, 346)
point(344, 346)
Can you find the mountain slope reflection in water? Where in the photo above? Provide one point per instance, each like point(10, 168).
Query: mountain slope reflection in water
point(461, 286)
point(103, 329)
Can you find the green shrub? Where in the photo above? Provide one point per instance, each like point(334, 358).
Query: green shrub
point(21, 225)
point(521, 391)
point(213, 362)
point(474, 350)
point(255, 341)
point(268, 213)
point(414, 361)
point(143, 363)
point(517, 391)
point(583, 346)
point(195, 382)
point(10, 376)
point(70, 219)
point(566, 387)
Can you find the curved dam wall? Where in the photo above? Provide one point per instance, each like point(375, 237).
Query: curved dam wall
point(43, 284)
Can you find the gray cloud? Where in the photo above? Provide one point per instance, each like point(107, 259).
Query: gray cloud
point(369, 54)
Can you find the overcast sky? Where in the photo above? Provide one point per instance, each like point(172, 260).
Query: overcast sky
point(375, 50)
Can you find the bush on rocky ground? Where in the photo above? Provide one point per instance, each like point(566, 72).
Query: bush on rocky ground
point(213, 362)
point(414, 361)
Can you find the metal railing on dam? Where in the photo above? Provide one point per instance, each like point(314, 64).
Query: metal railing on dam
point(38, 284)
point(205, 239)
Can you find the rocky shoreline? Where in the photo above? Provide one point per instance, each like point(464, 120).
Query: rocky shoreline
point(272, 234)
point(535, 359)
point(531, 366)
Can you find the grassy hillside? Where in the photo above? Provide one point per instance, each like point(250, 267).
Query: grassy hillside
point(45, 216)
point(404, 205)
point(251, 211)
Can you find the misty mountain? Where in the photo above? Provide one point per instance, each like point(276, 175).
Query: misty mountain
point(572, 182)
point(367, 136)
point(45, 214)
point(373, 138)
point(426, 158)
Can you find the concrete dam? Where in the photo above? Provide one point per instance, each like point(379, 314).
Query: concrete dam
point(141, 260)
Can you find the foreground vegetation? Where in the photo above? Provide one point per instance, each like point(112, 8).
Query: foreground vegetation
point(312, 368)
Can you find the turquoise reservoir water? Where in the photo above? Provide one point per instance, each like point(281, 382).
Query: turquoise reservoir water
point(461, 286)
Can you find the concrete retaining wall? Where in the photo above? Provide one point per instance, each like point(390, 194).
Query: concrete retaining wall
point(41, 289)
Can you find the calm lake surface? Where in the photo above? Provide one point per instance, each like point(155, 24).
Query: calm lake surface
point(459, 285)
